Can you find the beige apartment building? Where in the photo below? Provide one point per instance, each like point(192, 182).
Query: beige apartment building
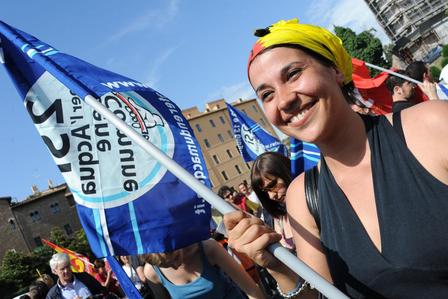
point(214, 133)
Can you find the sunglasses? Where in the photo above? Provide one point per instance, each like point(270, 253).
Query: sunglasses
point(227, 196)
point(272, 186)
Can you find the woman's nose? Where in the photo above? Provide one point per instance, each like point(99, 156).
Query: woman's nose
point(288, 100)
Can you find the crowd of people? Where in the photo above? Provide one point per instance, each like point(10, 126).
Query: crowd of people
point(381, 192)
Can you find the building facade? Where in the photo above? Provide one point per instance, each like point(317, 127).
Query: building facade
point(26, 222)
point(414, 26)
point(214, 133)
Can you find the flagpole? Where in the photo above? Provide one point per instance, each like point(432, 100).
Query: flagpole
point(393, 73)
point(217, 202)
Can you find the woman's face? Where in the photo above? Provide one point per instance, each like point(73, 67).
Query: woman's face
point(299, 94)
point(228, 196)
point(275, 188)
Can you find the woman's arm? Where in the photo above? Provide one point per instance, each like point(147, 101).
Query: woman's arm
point(154, 283)
point(304, 229)
point(217, 255)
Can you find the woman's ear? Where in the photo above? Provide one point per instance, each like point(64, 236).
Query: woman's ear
point(339, 76)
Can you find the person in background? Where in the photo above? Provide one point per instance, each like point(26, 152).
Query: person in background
point(106, 278)
point(253, 203)
point(418, 70)
point(47, 279)
point(38, 290)
point(238, 200)
point(71, 285)
point(270, 178)
point(382, 195)
point(197, 271)
point(131, 271)
point(402, 91)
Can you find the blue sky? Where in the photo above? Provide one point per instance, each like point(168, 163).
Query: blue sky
point(191, 51)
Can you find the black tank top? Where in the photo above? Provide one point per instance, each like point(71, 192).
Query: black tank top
point(412, 207)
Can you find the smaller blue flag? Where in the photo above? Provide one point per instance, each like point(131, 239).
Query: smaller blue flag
point(304, 156)
point(251, 139)
point(444, 90)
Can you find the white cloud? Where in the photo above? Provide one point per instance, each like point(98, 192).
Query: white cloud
point(233, 92)
point(157, 18)
point(354, 14)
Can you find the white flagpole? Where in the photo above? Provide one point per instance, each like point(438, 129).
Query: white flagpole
point(290, 260)
point(393, 73)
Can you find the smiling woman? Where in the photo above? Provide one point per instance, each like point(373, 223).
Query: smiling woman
point(377, 183)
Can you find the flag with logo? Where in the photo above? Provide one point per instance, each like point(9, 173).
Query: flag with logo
point(78, 262)
point(251, 139)
point(303, 156)
point(127, 202)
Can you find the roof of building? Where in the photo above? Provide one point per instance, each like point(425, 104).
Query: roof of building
point(39, 195)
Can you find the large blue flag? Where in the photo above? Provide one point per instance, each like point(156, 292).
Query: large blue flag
point(127, 202)
point(251, 139)
point(303, 156)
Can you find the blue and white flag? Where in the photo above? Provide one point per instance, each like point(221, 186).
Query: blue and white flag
point(251, 139)
point(127, 202)
point(304, 156)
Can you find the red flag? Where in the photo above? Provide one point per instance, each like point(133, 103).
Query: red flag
point(372, 89)
point(79, 262)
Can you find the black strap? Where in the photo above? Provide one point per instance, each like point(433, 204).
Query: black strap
point(396, 124)
point(311, 193)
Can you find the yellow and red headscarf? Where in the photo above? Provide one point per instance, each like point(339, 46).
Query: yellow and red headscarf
point(314, 38)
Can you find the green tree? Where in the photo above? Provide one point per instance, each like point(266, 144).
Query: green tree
point(445, 51)
point(17, 271)
point(435, 71)
point(444, 61)
point(364, 46)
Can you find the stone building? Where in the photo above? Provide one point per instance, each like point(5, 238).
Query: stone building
point(414, 26)
point(24, 223)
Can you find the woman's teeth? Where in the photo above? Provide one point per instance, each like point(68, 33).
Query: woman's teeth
point(299, 116)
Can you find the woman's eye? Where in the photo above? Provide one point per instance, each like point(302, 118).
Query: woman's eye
point(266, 96)
point(293, 73)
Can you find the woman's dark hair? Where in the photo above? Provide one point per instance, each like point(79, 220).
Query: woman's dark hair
point(268, 165)
point(347, 89)
point(99, 264)
point(223, 190)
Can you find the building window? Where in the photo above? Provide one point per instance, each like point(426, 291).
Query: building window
point(215, 158)
point(198, 127)
point(68, 229)
point(54, 207)
point(221, 139)
point(207, 144)
point(244, 111)
point(38, 241)
point(35, 216)
point(221, 118)
point(248, 166)
point(238, 169)
point(224, 175)
point(230, 133)
point(229, 153)
point(212, 123)
point(262, 122)
point(255, 108)
point(12, 223)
